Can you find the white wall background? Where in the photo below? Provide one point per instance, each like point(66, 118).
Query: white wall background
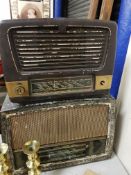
point(4, 9)
point(123, 135)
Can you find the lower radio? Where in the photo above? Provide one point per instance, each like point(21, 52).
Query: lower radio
point(69, 132)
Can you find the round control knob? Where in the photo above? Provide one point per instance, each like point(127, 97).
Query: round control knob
point(102, 82)
point(20, 90)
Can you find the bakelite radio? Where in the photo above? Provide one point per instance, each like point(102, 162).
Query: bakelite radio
point(47, 59)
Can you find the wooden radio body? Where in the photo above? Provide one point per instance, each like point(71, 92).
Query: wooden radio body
point(70, 132)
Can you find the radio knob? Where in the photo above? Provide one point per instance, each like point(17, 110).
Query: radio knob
point(20, 90)
point(102, 82)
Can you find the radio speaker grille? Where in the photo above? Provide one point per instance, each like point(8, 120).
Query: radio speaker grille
point(48, 49)
point(59, 124)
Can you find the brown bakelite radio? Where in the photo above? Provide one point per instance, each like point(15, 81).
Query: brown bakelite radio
point(70, 132)
point(46, 59)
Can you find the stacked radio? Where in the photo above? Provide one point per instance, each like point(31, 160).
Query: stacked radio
point(58, 74)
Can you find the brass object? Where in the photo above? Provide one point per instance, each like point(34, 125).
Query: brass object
point(103, 82)
point(30, 148)
point(4, 167)
point(17, 88)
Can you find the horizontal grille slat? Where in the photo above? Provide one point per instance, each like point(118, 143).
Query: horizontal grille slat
point(82, 66)
point(74, 47)
point(29, 41)
point(47, 28)
point(62, 57)
point(45, 53)
point(48, 36)
point(24, 56)
point(55, 51)
point(23, 45)
point(83, 48)
point(30, 60)
point(70, 29)
point(55, 63)
point(84, 45)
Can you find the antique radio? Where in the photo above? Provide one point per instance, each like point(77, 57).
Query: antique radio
point(45, 59)
point(70, 132)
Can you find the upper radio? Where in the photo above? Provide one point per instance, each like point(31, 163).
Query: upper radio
point(57, 58)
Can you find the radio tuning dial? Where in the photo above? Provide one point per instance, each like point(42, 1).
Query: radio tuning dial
point(20, 90)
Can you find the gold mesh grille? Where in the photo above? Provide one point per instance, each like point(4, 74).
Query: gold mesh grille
point(59, 124)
